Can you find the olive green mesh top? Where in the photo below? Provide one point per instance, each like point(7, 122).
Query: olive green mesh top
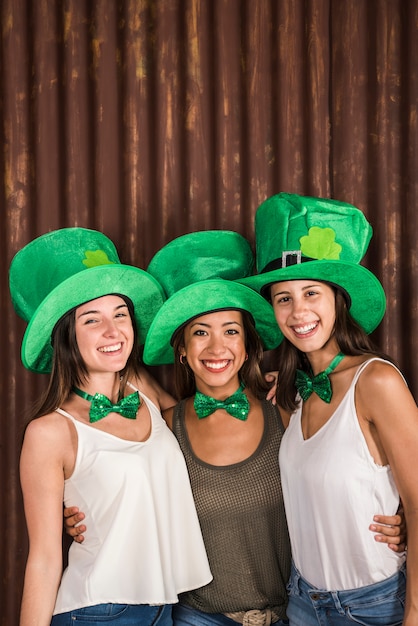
point(241, 512)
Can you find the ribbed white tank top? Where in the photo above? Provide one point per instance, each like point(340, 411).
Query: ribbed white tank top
point(143, 543)
point(332, 487)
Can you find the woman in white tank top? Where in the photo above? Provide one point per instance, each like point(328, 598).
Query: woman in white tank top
point(97, 436)
point(352, 438)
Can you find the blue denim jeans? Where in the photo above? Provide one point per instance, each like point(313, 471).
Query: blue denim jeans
point(380, 604)
point(117, 615)
point(186, 616)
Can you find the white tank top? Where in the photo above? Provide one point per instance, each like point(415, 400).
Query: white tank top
point(143, 543)
point(332, 487)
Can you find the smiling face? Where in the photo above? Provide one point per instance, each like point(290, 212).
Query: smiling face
point(214, 346)
point(104, 333)
point(305, 312)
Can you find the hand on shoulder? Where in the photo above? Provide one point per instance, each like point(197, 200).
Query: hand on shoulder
point(154, 391)
point(168, 417)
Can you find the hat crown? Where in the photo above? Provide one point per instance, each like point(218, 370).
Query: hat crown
point(49, 260)
point(201, 255)
point(318, 228)
point(199, 272)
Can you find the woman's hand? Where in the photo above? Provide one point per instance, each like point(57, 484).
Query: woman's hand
point(272, 377)
point(391, 529)
point(72, 519)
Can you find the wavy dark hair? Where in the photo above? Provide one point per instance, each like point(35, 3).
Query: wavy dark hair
point(68, 367)
point(351, 338)
point(250, 373)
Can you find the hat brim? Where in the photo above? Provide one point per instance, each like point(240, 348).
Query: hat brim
point(140, 287)
point(199, 299)
point(368, 300)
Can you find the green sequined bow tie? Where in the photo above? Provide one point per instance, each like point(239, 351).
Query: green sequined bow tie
point(236, 405)
point(102, 406)
point(319, 384)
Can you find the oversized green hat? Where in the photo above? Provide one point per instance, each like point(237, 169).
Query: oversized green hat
point(63, 269)
point(198, 271)
point(299, 237)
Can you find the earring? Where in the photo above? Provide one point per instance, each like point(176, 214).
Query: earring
point(181, 357)
point(246, 357)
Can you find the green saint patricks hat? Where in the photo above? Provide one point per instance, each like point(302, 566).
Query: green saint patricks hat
point(300, 237)
point(63, 269)
point(198, 271)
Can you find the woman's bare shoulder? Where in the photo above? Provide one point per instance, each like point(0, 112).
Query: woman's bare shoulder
point(380, 375)
point(47, 426)
point(49, 440)
point(383, 394)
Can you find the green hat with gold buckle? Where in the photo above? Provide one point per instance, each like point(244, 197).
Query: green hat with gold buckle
point(198, 271)
point(63, 269)
point(301, 237)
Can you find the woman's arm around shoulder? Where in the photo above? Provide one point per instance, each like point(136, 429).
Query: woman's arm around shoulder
point(47, 451)
point(154, 390)
point(168, 416)
point(285, 415)
point(383, 399)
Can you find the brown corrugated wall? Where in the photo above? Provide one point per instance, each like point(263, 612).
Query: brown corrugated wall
point(148, 119)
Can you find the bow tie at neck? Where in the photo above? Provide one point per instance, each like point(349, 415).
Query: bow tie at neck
point(236, 405)
point(102, 406)
point(320, 384)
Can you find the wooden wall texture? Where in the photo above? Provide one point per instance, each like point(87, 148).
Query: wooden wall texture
point(148, 119)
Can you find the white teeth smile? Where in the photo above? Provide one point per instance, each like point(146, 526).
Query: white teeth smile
point(303, 330)
point(114, 348)
point(215, 366)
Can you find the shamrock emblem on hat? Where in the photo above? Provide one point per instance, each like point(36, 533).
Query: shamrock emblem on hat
point(320, 244)
point(95, 258)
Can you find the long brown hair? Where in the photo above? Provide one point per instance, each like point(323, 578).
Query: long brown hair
point(351, 338)
point(250, 373)
point(68, 367)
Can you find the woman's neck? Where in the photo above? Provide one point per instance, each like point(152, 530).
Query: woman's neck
point(219, 392)
point(108, 384)
point(320, 359)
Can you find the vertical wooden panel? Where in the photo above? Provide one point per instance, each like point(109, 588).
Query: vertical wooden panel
point(168, 130)
point(353, 100)
point(257, 116)
point(408, 196)
point(17, 193)
point(77, 147)
point(197, 158)
point(228, 112)
point(138, 130)
point(106, 116)
point(46, 114)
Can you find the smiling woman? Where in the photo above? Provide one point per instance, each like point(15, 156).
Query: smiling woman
point(214, 330)
point(98, 437)
point(352, 435)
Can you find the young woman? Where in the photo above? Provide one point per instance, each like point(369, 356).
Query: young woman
point(211, 330)
point(230, 437)
point(352, 435)
point(97, 437)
